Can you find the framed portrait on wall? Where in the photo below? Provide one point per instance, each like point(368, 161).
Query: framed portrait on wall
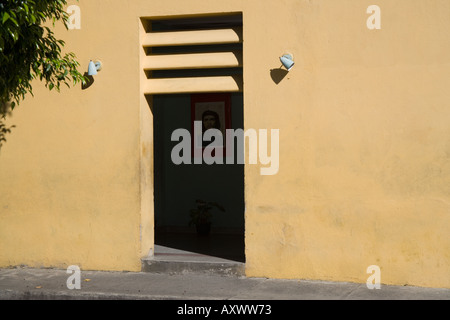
point(213, 110)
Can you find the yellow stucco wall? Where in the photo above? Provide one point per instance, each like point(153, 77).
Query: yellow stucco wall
point(364, 144)
point(70, 171)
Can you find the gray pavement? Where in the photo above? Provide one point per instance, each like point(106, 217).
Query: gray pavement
point(51, 284)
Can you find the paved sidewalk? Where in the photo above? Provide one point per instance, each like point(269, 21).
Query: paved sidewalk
point(25, 283)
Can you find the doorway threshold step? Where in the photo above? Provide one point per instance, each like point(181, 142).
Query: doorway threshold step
point(169, 265)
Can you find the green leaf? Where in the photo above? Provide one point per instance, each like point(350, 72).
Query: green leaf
point(14, 35)
point(6, 16)
point(14, 21)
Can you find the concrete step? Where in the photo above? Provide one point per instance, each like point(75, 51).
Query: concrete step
point(174, 266)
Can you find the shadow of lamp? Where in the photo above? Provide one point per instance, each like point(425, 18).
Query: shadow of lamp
point(287, 62)
point(93, 68)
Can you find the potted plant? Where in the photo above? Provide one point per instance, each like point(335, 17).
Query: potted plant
point(201, 216)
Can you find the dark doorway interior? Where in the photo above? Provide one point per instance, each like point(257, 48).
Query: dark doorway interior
point(177, 187)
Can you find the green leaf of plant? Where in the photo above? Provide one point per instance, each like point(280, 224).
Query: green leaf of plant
point(14, 35)
point(14, 21)
point(5, 17)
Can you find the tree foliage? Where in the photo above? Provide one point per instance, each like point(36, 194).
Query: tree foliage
point(29, 49)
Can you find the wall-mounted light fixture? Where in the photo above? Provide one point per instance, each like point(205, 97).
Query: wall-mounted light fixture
point(288, 61)
point(94, 66)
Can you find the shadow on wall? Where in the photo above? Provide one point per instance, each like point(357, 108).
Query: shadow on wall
point(89, 82)
point(4, 130)
point(278, 75)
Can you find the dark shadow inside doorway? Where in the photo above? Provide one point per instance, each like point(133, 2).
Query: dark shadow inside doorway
point(177, 187)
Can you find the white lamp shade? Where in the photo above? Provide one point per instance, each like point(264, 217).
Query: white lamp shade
point(287, 61)
point(92, 69)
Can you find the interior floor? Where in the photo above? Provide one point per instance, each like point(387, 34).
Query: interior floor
point(193, 247)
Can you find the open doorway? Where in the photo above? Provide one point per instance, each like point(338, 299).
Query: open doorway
point(193, 66)
point(178, 187)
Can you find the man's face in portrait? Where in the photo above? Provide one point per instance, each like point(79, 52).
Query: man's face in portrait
point(209, 121)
